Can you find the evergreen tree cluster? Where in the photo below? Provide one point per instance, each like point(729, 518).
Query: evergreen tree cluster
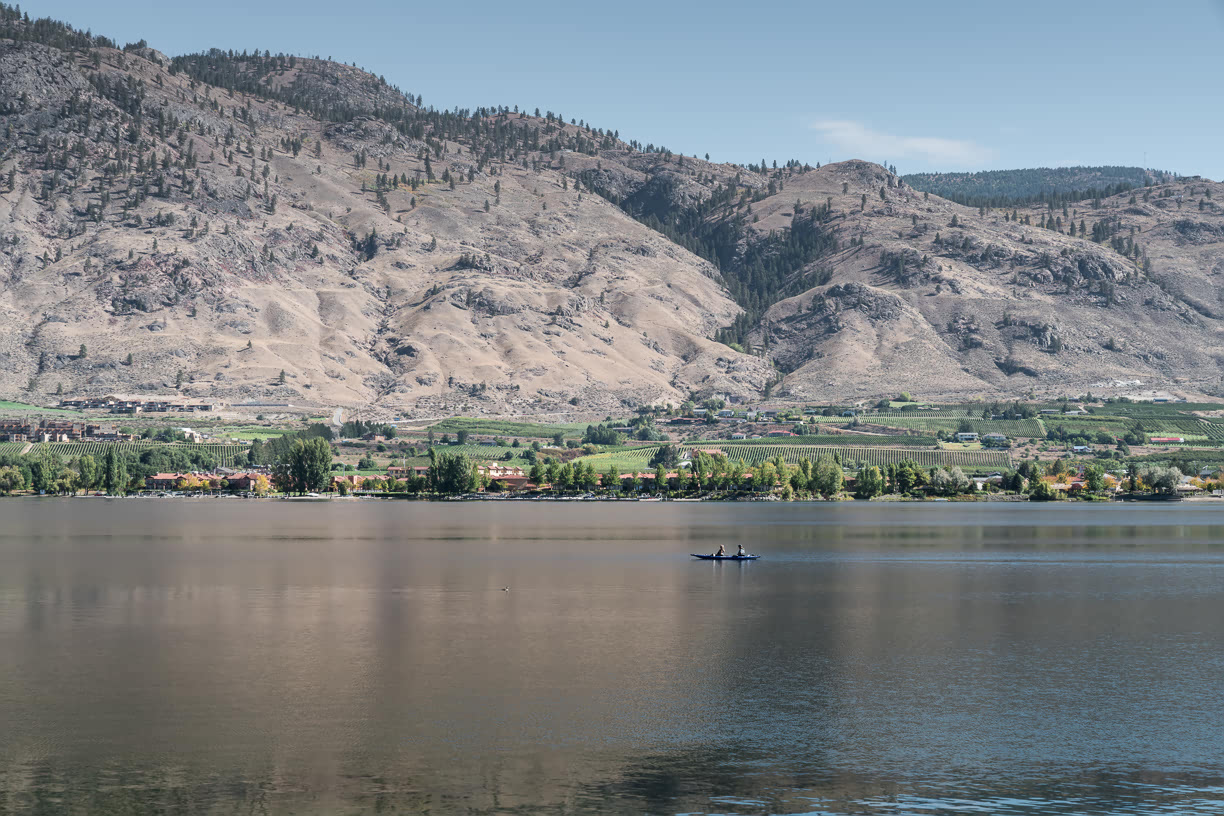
point(1055, 187)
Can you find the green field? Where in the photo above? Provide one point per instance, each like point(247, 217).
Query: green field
point(1182, 426)
point(223, 454)
point(1142, 409)
point(497, 427)
point(829, 439)
point(1152, 424)
point(753, 454)
point(969, 412)
point(625, 460)
point(21, 407)
point(249, 432)
point(477, 453)
point(1031, 428)
point(868, 456)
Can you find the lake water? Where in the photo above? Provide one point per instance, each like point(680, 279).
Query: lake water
point(280, 657)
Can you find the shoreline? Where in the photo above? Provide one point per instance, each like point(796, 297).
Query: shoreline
point(994, 499)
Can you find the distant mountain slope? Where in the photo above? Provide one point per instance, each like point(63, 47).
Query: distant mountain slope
point(304, 232)
point(257, 226)
point(929, 296)
point(1005, 188)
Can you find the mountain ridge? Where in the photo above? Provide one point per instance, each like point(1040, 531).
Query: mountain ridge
point(302, 230)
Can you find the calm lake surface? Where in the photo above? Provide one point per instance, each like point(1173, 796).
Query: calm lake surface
point(222, 656)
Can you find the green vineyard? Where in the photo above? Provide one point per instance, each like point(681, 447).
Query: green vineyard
point(868, 456)
point(1183, 427)
point(482, 453)
point(497, 427)
point(836, 440)
point(224, 454)
point(936, 413)
point(851, 456)
point(1189, 427)
point(1028, 428)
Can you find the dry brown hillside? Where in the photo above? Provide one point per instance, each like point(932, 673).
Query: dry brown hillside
point(201, 225)
point(929, 296)
point(230, 238)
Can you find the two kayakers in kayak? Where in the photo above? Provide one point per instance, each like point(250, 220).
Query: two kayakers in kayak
point(722, 551)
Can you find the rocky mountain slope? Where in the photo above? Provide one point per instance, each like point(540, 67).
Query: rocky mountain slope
point(257, 227)
point(190, 237)
point(932, 296)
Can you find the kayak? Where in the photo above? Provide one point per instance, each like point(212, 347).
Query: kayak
point(725, 557)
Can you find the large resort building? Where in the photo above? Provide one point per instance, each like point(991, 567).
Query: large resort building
point(140, 405)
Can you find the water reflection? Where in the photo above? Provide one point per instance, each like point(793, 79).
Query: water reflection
point(322, 658)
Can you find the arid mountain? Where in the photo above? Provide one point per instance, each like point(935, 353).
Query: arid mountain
point(932, 296)
point(230, 238)
point(205, 223)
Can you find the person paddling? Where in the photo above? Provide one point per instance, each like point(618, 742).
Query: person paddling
point(741, 552)
point(722, 551)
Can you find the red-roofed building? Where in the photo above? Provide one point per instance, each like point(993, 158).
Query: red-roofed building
point(242, 481)
point(353, 480)
point(164, 481)
point(397, 472)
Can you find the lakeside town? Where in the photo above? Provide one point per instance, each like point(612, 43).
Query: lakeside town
point(898, 449)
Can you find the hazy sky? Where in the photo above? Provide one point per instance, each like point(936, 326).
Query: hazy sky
point(922, 85)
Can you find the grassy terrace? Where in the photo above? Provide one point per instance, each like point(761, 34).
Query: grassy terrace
point(851, 455)
point(477, 453)
point(8, 408)
point(835, 440)
point(507, 428)
point(929, 425)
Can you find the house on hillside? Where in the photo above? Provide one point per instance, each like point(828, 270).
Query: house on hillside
point(966, 436)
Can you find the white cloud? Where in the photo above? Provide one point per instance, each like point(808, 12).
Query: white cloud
point(873, 145)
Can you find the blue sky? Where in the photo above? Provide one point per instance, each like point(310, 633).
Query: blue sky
point(924, 86)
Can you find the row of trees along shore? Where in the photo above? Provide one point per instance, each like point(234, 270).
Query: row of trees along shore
point(714, 475)
point(304, 465)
